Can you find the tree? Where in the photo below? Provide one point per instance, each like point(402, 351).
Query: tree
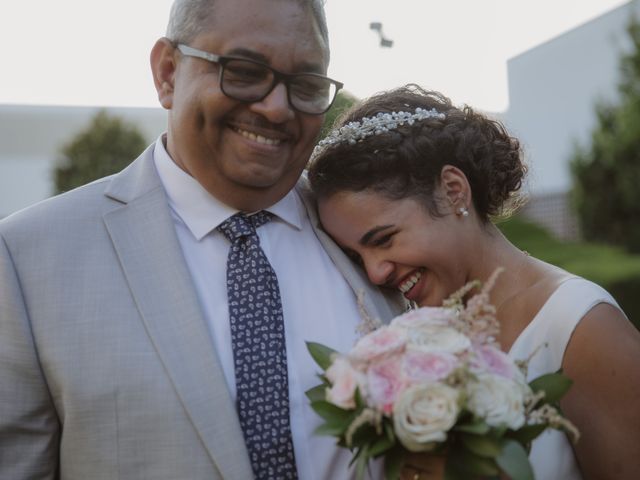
point(105, 147)
point(343, 102)
point(606, 190)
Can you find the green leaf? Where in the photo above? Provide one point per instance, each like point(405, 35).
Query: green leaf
point(482, 445)
point(321, 354)
point(555, 385)
point(453, 472)
point(317, 393)
point(393, 462)
point(477, 427)
point(498, 432)
point(360, 403)
point(514, 461)
point(364, 435)
point(381, 445)
point(387, 425)
point(527, 433)
point(333, 429)
point(361, 465)
point(330, 412)
point(465, 460)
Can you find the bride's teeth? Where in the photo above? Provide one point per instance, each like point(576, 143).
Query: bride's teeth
point(258, 138)
point(408, 285)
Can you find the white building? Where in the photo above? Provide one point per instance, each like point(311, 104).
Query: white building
point(553, 89)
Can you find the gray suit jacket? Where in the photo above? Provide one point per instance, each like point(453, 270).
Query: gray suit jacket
point(107, 370)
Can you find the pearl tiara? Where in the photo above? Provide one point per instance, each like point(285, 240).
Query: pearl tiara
point(354, 132)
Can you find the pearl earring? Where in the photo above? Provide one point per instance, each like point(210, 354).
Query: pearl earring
point(463, 211)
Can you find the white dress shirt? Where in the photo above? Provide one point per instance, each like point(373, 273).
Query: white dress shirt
point(317, 302)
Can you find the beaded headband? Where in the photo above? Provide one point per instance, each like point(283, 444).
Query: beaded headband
point(354, 132)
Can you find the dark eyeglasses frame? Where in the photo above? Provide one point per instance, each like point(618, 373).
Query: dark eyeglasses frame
point(278, 77)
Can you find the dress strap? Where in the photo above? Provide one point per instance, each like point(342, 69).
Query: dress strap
point(552, 327)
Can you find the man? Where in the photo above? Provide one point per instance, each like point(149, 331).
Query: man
point(119, 352)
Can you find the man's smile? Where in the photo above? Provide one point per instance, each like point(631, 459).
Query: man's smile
point(256, 137)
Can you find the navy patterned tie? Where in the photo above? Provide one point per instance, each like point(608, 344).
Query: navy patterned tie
point(259, 350)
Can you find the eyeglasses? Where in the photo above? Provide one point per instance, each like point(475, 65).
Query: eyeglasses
point(250, 81)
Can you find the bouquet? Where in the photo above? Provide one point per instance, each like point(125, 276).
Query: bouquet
point(435, 380)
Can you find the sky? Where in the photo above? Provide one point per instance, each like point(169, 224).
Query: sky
point(86, 52)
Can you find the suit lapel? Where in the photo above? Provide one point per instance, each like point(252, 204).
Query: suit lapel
point(378, 305)
point(144, 237)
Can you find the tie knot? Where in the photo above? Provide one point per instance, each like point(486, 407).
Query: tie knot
point(242, 225)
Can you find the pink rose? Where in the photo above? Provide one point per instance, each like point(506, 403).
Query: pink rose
point(425, 316)
point(428, 366)
point(344, 380)
point(385, 340)
point(385, 382)
point(492, 360)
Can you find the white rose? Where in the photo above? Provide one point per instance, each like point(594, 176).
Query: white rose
point(423, 414)
point(497, 400)
point(437, 338)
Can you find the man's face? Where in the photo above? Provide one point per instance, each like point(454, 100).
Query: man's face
point(248, 155)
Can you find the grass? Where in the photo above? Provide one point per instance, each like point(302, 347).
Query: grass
point(611, 267)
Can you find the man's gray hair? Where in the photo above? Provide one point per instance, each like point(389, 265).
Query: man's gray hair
point(189, 17)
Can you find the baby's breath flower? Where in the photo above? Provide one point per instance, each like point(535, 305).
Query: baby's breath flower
point(549, 415)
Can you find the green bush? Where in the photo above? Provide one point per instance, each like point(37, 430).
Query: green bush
point(342, 103)
point(104, 148)
point(611, 267)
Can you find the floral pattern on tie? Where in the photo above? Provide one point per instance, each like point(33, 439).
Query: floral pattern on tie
point(259, 349)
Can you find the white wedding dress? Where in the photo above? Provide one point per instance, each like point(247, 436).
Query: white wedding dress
point(551, 455)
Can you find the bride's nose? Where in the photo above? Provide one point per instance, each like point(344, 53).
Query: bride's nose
point(378, 270)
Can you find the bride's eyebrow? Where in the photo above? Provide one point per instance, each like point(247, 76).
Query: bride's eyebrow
point(366, 238)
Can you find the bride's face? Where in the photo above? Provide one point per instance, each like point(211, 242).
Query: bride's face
point(399, 244)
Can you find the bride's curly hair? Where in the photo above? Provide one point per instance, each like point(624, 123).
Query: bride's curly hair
point(407, 161)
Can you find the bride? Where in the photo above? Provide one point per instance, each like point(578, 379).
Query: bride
point(407, 187)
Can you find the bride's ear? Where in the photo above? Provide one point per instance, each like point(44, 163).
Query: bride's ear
point(456, 189)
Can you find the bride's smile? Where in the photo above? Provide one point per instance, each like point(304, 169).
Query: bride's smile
point(400, 245)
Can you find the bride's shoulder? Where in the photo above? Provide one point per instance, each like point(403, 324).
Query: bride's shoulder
point(553, 281)
point(550, 275)
point(545, 281)
point(572, 288)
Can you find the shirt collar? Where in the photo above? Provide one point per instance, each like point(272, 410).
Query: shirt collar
point(200, 211)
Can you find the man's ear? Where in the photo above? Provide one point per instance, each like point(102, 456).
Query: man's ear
point(455, 187)
point(163, 68)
